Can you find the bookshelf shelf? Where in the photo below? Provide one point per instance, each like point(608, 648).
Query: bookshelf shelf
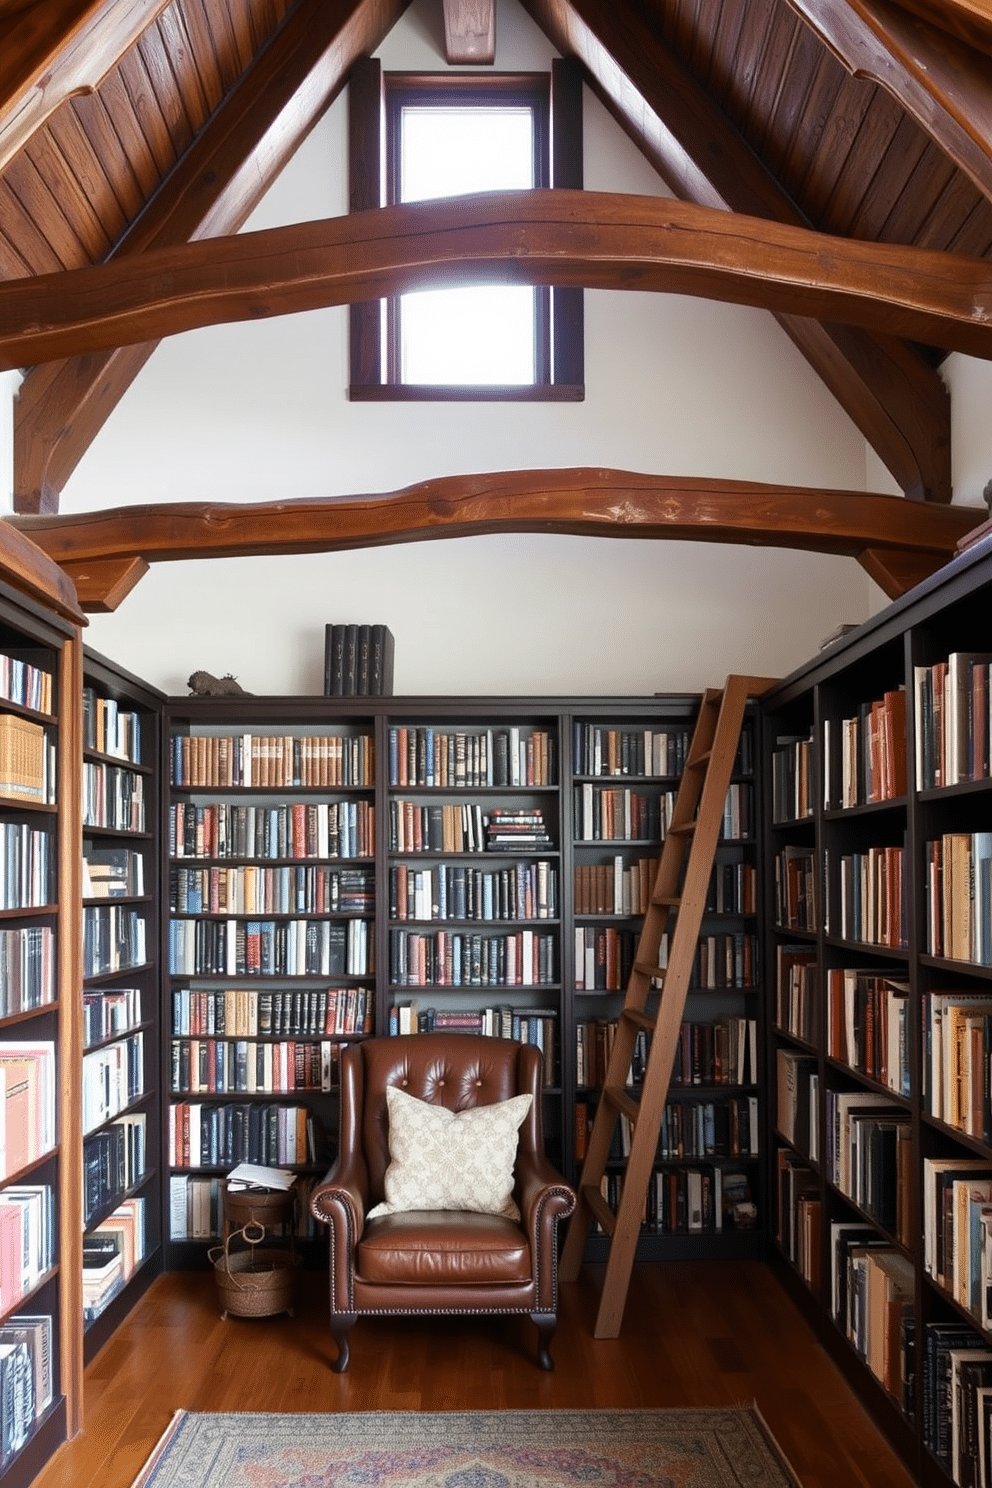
point(868, 1286)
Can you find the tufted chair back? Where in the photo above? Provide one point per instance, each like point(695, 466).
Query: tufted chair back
point(446, 1069)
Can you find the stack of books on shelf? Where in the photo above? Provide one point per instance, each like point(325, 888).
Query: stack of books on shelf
point(470, 758)
point(113, 797)
point(297, 829)
point(869, 1157)
point(112, 872)
point(957, 1043)
point(27, 968)
point(606, 813)
point(952, 700)
point(283, 948)
point(248, 1012)
point(449, 958)
point(24, 683)
point(109, 728)
point(27, 1090)
point(110, 1013)
point(956, 1387)
point(112, 1079)
point(873, 897)
point(25, 1380)
point(516, 829)
point(798, 1215)
point(873, 751)
point(26, 760)
point(272, 761)
point(253, 889)
point(957, 1229)
point(207, 1135)
point(959, 897)
point(358, 661)
point(113, 1161)
point(867, 1025)
point(113, 939)
point(796, 1100)
point(111, 1254)
point(796, 899)
point(519, 891)
point(597, 750)
point(27, 1239)
point(202, 1066)
point(796, 983)
point(25, 866)
point(618, 887)
point(793, 778)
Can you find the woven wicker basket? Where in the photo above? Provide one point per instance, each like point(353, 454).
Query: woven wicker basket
point(256, 1282)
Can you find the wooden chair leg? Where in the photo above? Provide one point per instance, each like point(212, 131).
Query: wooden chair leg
point(545, 1323)
point(341, 1325)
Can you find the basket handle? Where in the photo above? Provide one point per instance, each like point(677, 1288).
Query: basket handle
point(215, 1252)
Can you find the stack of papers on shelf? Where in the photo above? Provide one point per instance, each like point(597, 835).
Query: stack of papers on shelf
point(253, 1175)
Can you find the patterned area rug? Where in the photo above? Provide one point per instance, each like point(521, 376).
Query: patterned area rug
point(470, 1449)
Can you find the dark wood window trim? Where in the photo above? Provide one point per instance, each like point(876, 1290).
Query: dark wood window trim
point(560, 353)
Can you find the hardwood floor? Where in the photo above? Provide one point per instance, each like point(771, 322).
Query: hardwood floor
point(694, 1334)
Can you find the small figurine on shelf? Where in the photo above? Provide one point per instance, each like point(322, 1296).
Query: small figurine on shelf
point(205, 684)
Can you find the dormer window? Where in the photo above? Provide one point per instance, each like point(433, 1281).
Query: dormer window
point(449, 135)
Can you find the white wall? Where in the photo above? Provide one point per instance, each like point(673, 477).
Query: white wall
point(258, 412)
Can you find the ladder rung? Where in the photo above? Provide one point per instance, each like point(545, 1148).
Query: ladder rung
point(623, 1101)
point(599, 1207)
point(683, 831)
point(672, 901)
point(700, 760)
point(644, 968)
point(640, 1019)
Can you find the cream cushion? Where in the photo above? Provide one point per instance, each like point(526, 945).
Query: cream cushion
point(441, 1159)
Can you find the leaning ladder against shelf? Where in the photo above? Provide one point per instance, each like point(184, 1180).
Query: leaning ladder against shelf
point(676, 907)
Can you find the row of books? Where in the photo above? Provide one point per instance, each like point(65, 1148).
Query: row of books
point(959, 897)
point(797, 991)
point(604, 957)
point(109, 728)
point(796, 895)
point(471, 758)
point(605, 813)
point(247, 1012)
point(196, 1206)
point(114, 939)
point(869, 1157)
point(113, 797)
point(798, 1215)
point(451, 958)
point(358, 660)
point(872, 748)
point(27, 1103)
point(111, 1254)
point(868, 1025)
point(113, 1077)
point(216, 1066)
point(955, 1368)
point(27, 968)
point(270, 948)
point(27, 1240)
point(957, 1039)
point(520, 891)
point(218, 1135)
point(682, 1201)
point(952, 701)
point(25, 865)
point(538, 1026)
point(793, 779)
point(112, 872)
point(113, 1162)
point(414, 827)
point(24, 683)
point(294, 829)
point(628, 751)
point(796, 1100)
point(253, 889)
point(26, 1380)
point(619, 887)
point(107, 1014)
point(27, 760)
point(265, 761)
point(879, 1299)
point(957, 1230)
point(723, 1051)
point(726, 960)
point(712, 1128)
point(872, 898)
point(516, 829)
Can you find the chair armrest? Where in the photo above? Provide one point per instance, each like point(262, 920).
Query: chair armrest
point(545, 1199)
point(341, 1201)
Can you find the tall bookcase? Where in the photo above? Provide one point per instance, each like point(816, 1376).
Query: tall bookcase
point(40, 1307)
point(122, 1203)
point(476, 831)
point(877, 828)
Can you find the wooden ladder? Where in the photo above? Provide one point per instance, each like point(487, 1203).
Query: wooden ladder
point(676, 908)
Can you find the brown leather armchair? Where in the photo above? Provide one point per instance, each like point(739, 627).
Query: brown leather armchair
point(439, 1261)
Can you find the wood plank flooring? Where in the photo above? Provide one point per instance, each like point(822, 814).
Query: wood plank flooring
point(694, 1334)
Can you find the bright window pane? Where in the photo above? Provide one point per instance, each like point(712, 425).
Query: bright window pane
point(481, 334)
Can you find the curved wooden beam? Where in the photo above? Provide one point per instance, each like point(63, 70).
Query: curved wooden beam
point(596, 240)
point(586, 502)
point(28, 568)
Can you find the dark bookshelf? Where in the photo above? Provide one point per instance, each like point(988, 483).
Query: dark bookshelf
point(121, 1032)
point(890, 1029)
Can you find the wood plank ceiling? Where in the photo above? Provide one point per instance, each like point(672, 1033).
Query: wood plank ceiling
point(126, 127)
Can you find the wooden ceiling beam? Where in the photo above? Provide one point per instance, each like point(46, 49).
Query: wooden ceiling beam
point(470, 32)
point(941, 82)
point(55, 48)
point(62, 405)
point(593, 239)
point(969, 20)
point(585, 502)
point(886, 387)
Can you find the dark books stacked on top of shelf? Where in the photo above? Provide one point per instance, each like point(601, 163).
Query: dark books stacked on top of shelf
point(511, 830)
point(358, 661)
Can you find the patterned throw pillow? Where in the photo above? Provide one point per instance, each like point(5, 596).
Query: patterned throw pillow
point(441, 1159)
